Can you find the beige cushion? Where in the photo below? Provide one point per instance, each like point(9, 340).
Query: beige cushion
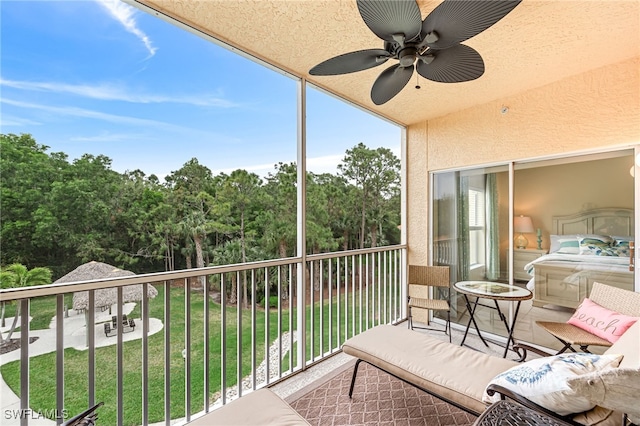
point(616, 389)
point(629, 345)
point(599, 416)
point(456, 373)
point(259, 408)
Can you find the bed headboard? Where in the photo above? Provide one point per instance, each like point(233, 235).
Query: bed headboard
point(606, 221)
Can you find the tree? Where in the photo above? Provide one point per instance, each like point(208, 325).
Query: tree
point(339, 207)
point(376, 174)
point(26, 176)
point(17, 275)
point(279, 217)
point(229, 253)
point(242, 192)
point(190, 185)
point(76, 218)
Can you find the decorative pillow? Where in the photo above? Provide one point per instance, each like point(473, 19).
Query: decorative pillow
point(615, 389)
point(566, 244)
point(621, 245)
point(544, 380)
point(602, 322)
point(602, 251)
point(618, 240)
point(595, 245)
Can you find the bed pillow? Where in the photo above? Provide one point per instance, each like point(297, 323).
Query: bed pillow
point(544, 380)
point(599, 245)
point(600, 321)
point(564, 244)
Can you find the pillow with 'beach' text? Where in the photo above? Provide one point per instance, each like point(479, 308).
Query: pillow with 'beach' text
point(600, 321)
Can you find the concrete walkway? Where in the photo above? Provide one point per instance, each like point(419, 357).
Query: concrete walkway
point(74, 337)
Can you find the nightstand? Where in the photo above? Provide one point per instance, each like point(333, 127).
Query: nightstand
point(520, 258)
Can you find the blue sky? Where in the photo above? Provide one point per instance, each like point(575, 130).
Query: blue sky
point(102, 77)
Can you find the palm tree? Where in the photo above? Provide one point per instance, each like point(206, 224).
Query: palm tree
point(17, 275)
point(229, 253)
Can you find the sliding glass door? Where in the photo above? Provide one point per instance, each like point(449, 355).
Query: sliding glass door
point(580, 207)
point(470, 210)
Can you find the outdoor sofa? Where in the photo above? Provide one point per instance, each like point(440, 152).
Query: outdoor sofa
point(453, 373)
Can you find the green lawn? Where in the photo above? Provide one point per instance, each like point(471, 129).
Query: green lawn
point(42, 368)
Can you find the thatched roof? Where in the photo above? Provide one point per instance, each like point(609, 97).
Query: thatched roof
point(104, 297)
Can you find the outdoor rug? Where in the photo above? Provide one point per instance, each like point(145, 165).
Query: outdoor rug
point(378, 399)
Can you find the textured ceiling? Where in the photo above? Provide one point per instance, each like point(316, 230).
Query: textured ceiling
point(538, 43)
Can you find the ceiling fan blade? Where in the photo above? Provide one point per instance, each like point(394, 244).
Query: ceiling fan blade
point(390, 82)
point(455, 21)
point(389, 17)
point(351, 62)
point(454, 65)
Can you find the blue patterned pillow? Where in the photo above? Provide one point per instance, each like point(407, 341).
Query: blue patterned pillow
point(598, 245)
point(621, 246)
point(544, 380)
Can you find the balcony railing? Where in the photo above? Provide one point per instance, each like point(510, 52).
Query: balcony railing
point(273, 319)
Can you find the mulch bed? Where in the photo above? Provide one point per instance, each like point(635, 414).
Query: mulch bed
point(13, 344)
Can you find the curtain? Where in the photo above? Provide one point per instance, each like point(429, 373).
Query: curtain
point(462, 226)
point(492, 241)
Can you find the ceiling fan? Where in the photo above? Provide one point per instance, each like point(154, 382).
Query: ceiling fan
point(431, 46)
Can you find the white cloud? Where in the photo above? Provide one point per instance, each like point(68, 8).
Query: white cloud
point(84, 113)
point(112, 92)
point(317, 165)
point(108, 137)
point(325, 164)
point(9, 120)
point(124, 14)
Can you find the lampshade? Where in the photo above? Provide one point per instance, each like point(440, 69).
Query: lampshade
point(522, 224)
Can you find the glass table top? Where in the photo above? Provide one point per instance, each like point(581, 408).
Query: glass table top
point(493, 290)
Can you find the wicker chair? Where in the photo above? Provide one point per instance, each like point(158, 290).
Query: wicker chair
point(624, 301)
point(421, 279)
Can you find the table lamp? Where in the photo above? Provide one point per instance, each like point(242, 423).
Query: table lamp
point(522, 225)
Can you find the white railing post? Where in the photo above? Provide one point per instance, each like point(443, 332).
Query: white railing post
point(352, 274)
point(301, 221)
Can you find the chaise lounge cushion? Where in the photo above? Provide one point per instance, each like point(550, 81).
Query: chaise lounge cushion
point(455, 373)
point(259, 408)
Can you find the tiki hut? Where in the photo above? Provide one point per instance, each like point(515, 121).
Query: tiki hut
point(108, 296)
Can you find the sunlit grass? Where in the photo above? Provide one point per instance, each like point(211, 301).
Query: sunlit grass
point(42, 368)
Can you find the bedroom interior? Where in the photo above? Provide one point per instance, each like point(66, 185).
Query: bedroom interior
point(572, 197)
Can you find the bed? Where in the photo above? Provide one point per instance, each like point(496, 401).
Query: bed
point(587, 247)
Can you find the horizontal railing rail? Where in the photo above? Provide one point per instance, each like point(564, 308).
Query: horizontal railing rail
point(209, 336)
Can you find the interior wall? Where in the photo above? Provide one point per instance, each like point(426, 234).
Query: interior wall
point(544, 192)
point(590, 111)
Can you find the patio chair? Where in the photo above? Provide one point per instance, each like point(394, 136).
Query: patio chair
point(616, 299)
point(421, 280)
point(108, 331)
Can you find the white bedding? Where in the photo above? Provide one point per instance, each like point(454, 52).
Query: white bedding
point(579, 264)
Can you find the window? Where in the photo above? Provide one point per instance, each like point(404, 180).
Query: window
point(476, 226)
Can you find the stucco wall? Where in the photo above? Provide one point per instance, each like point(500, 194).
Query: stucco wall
point(590, 111)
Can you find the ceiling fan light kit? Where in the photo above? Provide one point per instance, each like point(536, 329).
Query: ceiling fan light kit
point(431, 47)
